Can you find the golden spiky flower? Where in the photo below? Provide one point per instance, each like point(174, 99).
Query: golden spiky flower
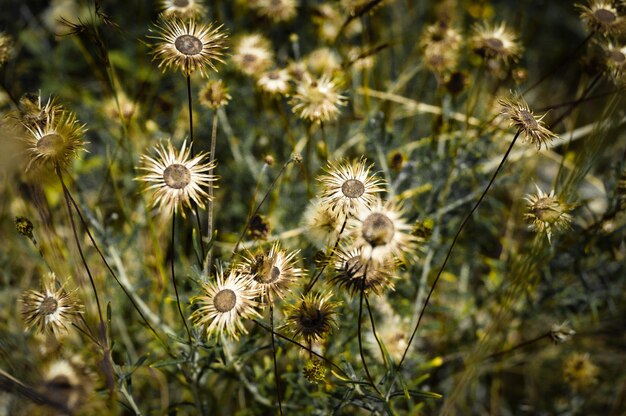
point(579, 371)
point(274, 272)
point(276, 10)
point(440, 44)
point(225, 303)
point(52, 309)
point(56, 139)
point(176, 178)
point(317, 100)
point(355, 275)
point(600, 16)
point(521, 117)
point(381, 234)
point(615, 62)
point(547, 213)
point(214, 94)
point(275, 82)
point(322, 223)
point(495, 42)
point(188, 46)
point(183, 9)
point(348, 186)
point(312, 317)
point(253, 54)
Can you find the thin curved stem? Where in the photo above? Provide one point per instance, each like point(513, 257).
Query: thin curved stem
point(207, 259)
point(378, 341)
point(280, 403)
point(172, 259)
point(360, 336)
point(332, 252)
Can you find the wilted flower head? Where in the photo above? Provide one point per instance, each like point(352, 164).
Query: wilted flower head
point(520, 116)
point(275, 82)
point(561, 332)
point(354, 274)
point(381, 234)
point(50, 310)
point(183, 9)
point(600, 16)
point(348, 186)
point(276, 10)
point(55, 135)
point(176, 178)
point(323, 224)
point(273, 272)
point(253, 54)
point(547, 213)
point(312, 317)
point(615, 62)
point(317, 100)
point(214, 94)
point(440, 44)
point(579, 371)
point(323, 61)
point(188, 46)
point(496, 42)
point(225, 303)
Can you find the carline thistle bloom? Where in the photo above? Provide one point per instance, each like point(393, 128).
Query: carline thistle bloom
point(496, 42)
point(312, 317)
point(51, 310)
point(381, 234)
point(176, 179)
point(253, 54)
point(547, 213)
point(317, 100)
point(183, 9)
point(214, 94)
point(355, 275)
point(600, 16)
point(521, 117)
point(348, 186)
point(225, 303)
point(323, 224)
point(188, 46)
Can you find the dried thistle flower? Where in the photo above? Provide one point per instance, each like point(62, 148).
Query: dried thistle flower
point(520, 116)
point(24, 227)
point(56, 140)
point(274, 272)
point(323, 62)
point(120, 107)
point(50, 310)
point(440, 44)
point(348, 186)
point(317, 100)
point(356, 275)
point(547, 213)
point(560, 333)
point(323, 224)
point(312, 317)
point(381, 234)
point(600, 16)
point(579, 371)
point(615, 62)
point(214, 94)
point(188, 46)
point(276, 10)
point(225, 303)
point(176, 178)
point(34, 114)
point(275, 82)
point(495, 42)
point(253, 55)
point(183, 9)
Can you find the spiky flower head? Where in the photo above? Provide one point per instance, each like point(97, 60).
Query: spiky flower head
point(214, 94)
point(355, 275)
point(323, 224)
point(276, 10)
point(547, 213)
point(381, 234)
point(176, 178)
point(348, 186)
point(323, 61)
point(317, 100)
point(440, 44)
point(183, 9)
point(253, 54)
point(579, 371)
point(52, 309)
point(600, 16)
point(560, 333)
point(521, 117)
point(54, 140)
point(225, 303)
point(24, 227)
point(188, 46)
point(495, 42)
point(312, 317)
point(275, 82)
point(314, 371)
point(615, 62)
point(273, 272)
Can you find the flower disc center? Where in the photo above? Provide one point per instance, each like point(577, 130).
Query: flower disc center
point(353, 188)
point(177, 176)
point(494, 44)
point(547, 209)
point(48, 305)
point(528, 120)
point(181, 3)
point(354, 267)
point(51, 144)
point(378, 229)
point(225, 300)
point(188, 45)
point(605, 16)
point(617, 56)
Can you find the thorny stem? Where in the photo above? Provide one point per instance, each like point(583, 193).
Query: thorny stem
point(454, 240)
point(172, 259)
point(256, 211)
point(207, 259)
point(280, 403)
point(332, 252)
